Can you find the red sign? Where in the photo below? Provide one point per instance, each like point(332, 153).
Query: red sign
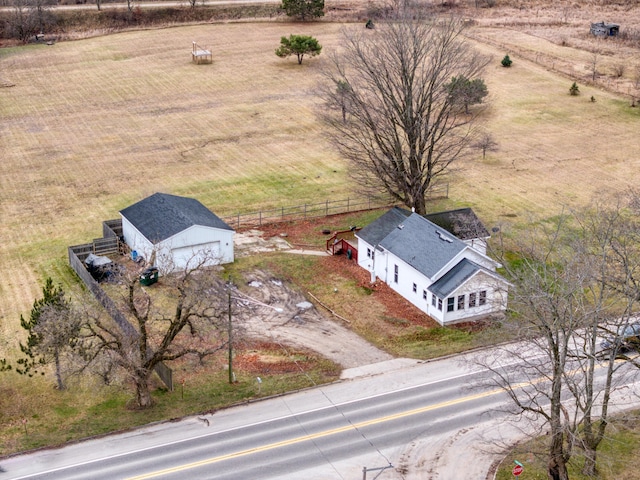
point(517, 470)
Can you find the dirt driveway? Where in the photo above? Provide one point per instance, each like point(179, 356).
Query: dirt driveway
point(271, 310)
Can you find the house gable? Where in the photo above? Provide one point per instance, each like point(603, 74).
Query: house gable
point(458, 276)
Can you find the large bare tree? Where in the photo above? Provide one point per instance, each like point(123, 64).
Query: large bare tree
point(397, 121)
point(549, 304)
point(594, 374)
point(572, 289)
point(195, 323)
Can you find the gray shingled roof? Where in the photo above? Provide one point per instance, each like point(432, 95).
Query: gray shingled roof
point(455, 277)
point(422, 244)
point(161, 216)
point(380, 228)
point(463, 223)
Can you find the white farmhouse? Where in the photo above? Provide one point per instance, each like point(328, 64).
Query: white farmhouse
point(174, 233)
point(448, 279)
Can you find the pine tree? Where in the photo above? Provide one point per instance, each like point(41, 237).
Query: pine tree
point(303, 9)
point(47, 332)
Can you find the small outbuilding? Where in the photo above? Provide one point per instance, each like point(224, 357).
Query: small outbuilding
point(173, 233)
point(602, 29)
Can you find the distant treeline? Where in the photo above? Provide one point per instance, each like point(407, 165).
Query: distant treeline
point(32, 22)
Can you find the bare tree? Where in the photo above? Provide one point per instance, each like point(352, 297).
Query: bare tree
point(548, 301)
point(602, 231)
point(403, 129)
point(23, 21)
point(59, 328)
point(593, 66)
point(574, 284)
point(486, 143)
point(196, 327)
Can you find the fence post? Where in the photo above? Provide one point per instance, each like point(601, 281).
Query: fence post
point(305, 211)
point(260, 218)
point(326, 208)
point(348, 199)
point(282, 213)
point(238, 221)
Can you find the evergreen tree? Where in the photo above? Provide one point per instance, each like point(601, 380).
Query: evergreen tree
point(303, 9)
point(299, 45)
point(466, 92)
point(574, 89)
point(50, 330)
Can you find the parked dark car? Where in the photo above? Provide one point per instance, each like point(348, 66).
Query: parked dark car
point(628, 339)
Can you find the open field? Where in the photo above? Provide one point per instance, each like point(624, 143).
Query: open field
point(94, 125)
point(91, 126)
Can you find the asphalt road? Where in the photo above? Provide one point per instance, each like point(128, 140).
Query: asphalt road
point(330, 432)
point(319, 432)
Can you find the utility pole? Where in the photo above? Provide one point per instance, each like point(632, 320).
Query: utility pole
point(230, 338)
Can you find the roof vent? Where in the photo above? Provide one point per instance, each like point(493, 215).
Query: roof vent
point(400, 227)
point(444, 238)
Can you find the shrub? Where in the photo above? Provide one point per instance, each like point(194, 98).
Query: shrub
point(574, 90)
point(506, 61)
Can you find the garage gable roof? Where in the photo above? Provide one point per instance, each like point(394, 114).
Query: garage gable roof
point(161, 216)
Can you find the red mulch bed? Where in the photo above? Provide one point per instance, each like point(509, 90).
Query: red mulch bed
point(300, 231)
point(271, 358)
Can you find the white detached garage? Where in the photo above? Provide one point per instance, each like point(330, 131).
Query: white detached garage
point(175, 233)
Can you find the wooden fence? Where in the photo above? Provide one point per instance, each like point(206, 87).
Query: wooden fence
point(316, 210)
point(77, 256)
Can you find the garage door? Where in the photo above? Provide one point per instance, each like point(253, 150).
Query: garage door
point(191, 256)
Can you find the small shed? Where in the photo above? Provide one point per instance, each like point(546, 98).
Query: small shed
point(200, 54)
point(174, 233)
point(602, 29)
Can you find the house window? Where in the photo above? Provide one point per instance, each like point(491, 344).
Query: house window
point(395, 273)
point(433, 299)
point(460, 302)
point(482, 299)
point(369, 253)
point(424, 294)
point(440, 304)
point(450, 304)
point(415, 288)
point(472, 300)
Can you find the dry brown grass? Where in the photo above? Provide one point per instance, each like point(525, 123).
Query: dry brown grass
point(94, 125)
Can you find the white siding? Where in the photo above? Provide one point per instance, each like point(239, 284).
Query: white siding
point(185, 249)
point(496, 296)
point(479, 244)
point(135, 240)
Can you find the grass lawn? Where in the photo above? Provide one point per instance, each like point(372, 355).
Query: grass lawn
point(92, 126)
point(617, 455)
